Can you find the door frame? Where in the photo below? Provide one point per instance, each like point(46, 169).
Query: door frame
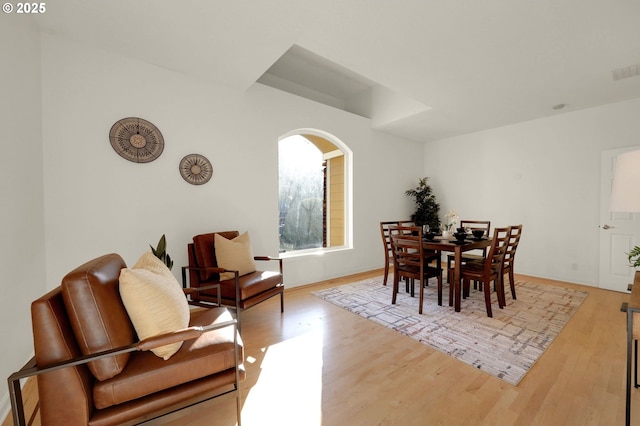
point(619, 232)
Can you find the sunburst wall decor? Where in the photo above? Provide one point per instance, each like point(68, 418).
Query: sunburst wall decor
point(196, 169)
point(136, 139)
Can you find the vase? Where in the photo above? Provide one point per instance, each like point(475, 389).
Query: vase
point(446, 234)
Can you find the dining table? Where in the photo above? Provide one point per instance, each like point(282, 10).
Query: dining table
point(451, 244)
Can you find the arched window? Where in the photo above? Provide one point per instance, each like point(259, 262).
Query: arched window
point(315, 201)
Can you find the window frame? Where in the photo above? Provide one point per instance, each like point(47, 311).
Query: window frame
point(348, 194)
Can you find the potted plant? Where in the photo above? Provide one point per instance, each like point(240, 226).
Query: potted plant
point(161, 252)
point(427, 208)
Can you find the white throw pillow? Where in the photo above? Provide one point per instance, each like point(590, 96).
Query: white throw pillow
point(154, 301)
point(235, 255)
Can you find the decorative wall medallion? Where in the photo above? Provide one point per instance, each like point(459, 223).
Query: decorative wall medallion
point(196, 169)
point(136, 139)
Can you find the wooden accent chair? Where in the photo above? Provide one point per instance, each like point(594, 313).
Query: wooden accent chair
point(488, 270)
point(238, 289)
point(410, 262)
point(92, 368)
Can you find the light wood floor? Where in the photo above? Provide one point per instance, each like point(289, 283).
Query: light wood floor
point(318, 364)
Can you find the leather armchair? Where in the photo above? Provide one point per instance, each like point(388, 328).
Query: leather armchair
point(122, 382)
point(241, 291)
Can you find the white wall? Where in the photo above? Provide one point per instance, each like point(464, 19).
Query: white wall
point(96, 202)
point(544, 174)
point(68, 197)
point(22, 255)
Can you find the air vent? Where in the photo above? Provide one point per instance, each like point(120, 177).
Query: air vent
point(626, 72)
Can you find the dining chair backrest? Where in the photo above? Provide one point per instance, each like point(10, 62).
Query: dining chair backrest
point(408, 255)
point(385, 231)
point(386, 243)
point(485, 225)
point(509, 256)
point(498, 249)
point(514, 240)
point(386, 239)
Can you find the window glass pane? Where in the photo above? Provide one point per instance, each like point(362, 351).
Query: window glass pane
point(301, 194)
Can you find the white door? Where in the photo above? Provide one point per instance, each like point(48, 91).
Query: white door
point(619, 232)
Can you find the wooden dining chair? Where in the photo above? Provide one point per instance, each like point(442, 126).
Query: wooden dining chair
point(484, 225)
point(410, 262)
point(386, 244)
point(507, 264)
point(489, 270)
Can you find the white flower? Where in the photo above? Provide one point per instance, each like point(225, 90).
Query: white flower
point(451, 220)
point(451, 214)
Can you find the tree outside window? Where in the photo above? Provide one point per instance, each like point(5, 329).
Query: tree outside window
point(302, 194)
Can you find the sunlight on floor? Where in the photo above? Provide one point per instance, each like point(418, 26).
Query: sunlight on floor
point(290, 377)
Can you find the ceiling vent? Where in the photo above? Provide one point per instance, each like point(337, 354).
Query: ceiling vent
point(626, 72)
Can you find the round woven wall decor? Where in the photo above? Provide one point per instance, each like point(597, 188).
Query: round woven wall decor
point(136, 139)
point(196, 169)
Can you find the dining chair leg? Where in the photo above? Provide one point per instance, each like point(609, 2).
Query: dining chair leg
point(502, 300)
point(512, 283)
point(421, 296)
point(487, 299)
point(386, 272)
point(465, 288)
point(394, 292)
point(440, 290)
point(450, 293)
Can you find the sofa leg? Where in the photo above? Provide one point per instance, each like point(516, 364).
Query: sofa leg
point(282, 302)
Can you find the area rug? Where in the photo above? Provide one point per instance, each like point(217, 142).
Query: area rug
point(505, 346)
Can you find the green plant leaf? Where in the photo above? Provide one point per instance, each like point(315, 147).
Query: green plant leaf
point(162, 244)
point(161, 252)
point(634, 257)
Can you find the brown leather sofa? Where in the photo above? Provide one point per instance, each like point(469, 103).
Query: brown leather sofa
point(242, 291)
point(124, 382)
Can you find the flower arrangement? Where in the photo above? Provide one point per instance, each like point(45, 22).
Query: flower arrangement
point(451, 220)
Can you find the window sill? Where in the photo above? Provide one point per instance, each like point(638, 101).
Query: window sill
point(298, 254)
